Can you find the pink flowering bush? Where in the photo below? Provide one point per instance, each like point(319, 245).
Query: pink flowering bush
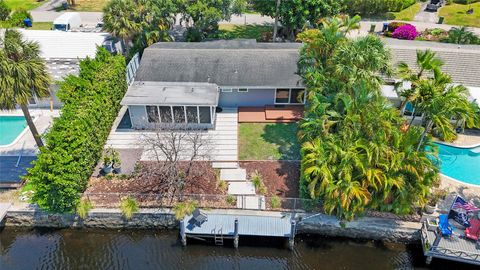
point(406, 31)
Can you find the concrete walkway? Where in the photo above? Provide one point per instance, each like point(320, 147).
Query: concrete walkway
point(426, 16)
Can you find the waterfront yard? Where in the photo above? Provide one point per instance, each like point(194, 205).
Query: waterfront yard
point(456, 14)
point(268, 141)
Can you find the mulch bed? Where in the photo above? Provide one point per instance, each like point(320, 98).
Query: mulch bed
point(148, 181)
point(280, 177)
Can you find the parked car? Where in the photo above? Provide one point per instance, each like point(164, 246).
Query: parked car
point(434, 5)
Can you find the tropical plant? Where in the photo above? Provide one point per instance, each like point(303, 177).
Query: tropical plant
point(275, 202)
point(128, 206)
point(355, 154)
point(461, 35)
point(120, 19)
point(205, 14)
point(183, 209)
point(23, 76)
point(436, 97)
point(407, 31)
point(294, 15)
point(83, 207)
point(257, 180)
point(231, 200)
point(17, 17)
point(76, 140)
point(4, 11)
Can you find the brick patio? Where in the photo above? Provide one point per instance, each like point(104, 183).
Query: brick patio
point(270, 114)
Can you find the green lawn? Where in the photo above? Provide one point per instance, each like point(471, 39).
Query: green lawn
point(25, 4)
point(456, 14)
point(249, 31)
point(41, 26)
point(89, 5)
point(409, 13)
point(268, 141)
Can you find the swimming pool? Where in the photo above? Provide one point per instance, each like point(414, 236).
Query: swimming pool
point(462, 164)
point(10, 128)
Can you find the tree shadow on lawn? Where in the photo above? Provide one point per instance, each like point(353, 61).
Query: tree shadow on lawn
point(284, 136)
point(251, 31)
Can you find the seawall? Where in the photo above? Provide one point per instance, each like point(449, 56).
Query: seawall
point(363, 228)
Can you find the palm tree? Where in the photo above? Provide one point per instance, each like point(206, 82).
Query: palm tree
point(441, 102)
point(23, 75)
point(461, 36)
point(426, 63)
point(121, 19)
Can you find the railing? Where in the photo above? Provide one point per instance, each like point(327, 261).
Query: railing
point(132, 68)
point(431, 250)
point(113, 200)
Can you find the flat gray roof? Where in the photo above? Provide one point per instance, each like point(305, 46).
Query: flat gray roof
point(171, 93)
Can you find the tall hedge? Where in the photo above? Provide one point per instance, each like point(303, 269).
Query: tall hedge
point(76, 140)
point(375, 7)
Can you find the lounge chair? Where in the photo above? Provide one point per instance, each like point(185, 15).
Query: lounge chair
point(443, 225)
point(473, 232)
point(199, 217)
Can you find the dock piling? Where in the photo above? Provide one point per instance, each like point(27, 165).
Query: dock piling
point(183, 235)
point(235, 234)
point(291, 239)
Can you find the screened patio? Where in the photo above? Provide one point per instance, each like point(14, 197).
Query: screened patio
point(169, 105)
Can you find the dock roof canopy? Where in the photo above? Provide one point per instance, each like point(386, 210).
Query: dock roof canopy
point(171, 93)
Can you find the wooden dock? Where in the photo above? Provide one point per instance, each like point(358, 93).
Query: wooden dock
point(452, 248)
point(232, 226)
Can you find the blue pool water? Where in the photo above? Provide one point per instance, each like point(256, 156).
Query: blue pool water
point(10, 128)
point(462, 164)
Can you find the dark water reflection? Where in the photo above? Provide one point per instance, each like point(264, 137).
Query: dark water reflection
point(107, 249)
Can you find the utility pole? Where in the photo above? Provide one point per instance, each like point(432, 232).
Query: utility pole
point(275, 27)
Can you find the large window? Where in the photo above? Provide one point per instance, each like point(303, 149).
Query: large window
point(192, 114)
point(165, 114)
point(282, 96)
point(290, 96)
point(152, 114)
point(205, 117)
point(178, 114)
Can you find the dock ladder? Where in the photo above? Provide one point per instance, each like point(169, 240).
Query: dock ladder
point(218, 236)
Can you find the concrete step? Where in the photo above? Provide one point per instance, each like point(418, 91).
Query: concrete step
point(225, 165)
point(241, 188)
point(233, 174)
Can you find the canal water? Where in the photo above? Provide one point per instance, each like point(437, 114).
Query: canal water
point(112, 249)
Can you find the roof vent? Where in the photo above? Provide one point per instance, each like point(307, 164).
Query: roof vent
point(192, 89)
point(235, 71)
point(164, 88)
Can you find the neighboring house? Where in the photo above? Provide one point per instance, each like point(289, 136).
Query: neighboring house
point(62, 52)
point(180, 82)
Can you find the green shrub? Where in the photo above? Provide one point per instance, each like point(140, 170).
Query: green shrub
point(275, 202)
point(4, 11)
point(183, 209)
point(231, 200)
point(17, 17)
point(257, 181)
point(375, 7)
point(394, 25)
point(83, 207)
point(222, 185)
point(129, 206)
point(75, 142)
